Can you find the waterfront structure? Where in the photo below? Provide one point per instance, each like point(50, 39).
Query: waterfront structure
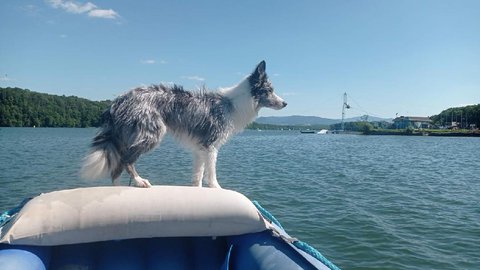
point(416, 122)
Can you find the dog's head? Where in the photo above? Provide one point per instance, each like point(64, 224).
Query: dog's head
point(262, 89)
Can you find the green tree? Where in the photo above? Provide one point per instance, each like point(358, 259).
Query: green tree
point(464, 116)
point(23, 108)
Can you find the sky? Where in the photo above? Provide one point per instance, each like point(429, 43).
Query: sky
point(413, 58)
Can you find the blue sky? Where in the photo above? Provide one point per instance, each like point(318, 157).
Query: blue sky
point(406, 57)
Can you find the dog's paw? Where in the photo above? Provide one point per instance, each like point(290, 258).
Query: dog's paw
point(214, 185)
point(196, 183)
point(143, 183)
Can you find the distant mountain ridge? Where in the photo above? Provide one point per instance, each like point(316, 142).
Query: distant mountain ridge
point(311, 120)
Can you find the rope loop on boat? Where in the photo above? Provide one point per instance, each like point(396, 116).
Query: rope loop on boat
point(6, 216)
point(267, 215)
point(297, 243)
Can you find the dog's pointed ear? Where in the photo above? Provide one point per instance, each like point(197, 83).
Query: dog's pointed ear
point(259, 71)
point(261, 67)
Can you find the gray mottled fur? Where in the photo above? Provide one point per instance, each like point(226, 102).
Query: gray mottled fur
point(137, 120)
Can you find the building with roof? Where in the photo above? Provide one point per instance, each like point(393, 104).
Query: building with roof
point(416, 122)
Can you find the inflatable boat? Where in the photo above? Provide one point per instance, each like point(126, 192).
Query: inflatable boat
point(163, 227)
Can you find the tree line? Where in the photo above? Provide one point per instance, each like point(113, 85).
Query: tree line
point(465, 116)
point(25, 108)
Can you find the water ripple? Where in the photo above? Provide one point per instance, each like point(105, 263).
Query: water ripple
point(366, 202)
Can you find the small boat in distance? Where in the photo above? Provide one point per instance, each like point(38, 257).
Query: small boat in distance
point(323, 132)
point(307, 131)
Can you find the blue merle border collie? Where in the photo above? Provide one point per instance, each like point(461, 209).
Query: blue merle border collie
point(202, 121)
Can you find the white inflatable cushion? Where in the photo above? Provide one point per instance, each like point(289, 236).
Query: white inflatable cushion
point(112, 213)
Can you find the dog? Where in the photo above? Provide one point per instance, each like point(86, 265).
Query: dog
point(202, 121)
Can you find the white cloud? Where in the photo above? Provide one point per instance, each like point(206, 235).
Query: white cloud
point(246, 74)
point(241, 74)
point(148, 62)
point(72, 7)
point(152, 61)
point(80, 8)
point(168, 83)
point(194, 78)
point(103, 13)
point(287, 94)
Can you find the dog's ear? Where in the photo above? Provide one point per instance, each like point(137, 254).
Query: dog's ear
point(259, 71)
point(261, 67)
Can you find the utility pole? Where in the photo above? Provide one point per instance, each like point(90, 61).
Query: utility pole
point(451, 122)
point(466, 121)
point(345, 106)
point(461, 119)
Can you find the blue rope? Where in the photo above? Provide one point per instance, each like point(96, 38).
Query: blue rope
point(267, 214)
point(8, 215)
point(298, 244)
point(315, 253)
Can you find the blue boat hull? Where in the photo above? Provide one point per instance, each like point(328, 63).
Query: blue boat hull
point(250, 251)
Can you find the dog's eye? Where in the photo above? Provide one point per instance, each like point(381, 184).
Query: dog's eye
point(267, 91)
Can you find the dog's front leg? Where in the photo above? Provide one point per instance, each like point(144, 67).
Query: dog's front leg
point(198, 168)
point(211, 167)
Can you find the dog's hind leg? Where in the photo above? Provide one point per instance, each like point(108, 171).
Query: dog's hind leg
point(211, 167)
point(129, 160)
point(198, 168)
point(139, 181)
point(145, 140)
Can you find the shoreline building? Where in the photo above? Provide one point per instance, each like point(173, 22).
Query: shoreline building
point(417, 122)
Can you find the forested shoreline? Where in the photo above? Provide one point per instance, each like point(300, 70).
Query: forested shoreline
point(465, 116)
point(25, 108)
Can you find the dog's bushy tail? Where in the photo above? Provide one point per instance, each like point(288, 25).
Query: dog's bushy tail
point(104, 160)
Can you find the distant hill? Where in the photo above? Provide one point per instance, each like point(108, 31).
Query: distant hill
point(310, 120)
point(295, 120)
point(369, 119)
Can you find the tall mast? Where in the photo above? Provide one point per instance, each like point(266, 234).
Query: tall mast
point(345, 106)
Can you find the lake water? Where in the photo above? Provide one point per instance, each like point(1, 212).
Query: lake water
point(365, 202)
